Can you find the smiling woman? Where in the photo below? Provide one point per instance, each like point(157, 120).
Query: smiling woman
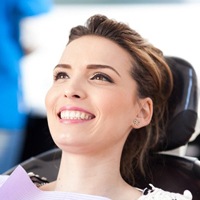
point(105, 110)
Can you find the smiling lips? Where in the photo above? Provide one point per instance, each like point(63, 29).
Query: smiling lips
point(75, 115)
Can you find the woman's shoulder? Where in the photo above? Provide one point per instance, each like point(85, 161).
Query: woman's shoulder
point(154, 193)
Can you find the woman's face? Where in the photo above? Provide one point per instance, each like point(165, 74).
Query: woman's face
point(93, 100)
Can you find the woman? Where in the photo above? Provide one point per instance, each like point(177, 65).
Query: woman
point(105, 111)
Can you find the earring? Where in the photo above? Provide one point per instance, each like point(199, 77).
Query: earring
point(136, 122)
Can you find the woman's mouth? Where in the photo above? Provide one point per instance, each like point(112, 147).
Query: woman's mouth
point(75, 115)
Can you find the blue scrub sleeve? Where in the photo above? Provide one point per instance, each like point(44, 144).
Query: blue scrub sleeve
point(34, 7)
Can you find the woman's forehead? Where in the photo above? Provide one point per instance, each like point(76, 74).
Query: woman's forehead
point(97, 49)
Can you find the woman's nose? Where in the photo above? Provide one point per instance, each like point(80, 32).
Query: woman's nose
point(75, 91)
point(69, 94)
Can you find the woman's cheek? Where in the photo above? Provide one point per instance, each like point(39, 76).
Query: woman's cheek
point(50, 97)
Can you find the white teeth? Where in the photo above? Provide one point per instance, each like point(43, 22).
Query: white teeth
point(82, 115)
point(75, 115)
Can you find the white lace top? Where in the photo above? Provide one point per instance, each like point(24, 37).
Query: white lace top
point(153, 193)
point(18, 186)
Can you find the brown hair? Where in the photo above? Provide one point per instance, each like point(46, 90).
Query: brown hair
point(153, 78)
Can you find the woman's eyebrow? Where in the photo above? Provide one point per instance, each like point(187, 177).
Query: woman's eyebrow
point(90, 66)
point(99, 66)
point(66, 66)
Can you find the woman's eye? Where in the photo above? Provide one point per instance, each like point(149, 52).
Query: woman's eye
point(60, 75)
point(102, 77)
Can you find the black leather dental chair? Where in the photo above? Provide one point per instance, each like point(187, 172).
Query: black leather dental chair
point(174, 173)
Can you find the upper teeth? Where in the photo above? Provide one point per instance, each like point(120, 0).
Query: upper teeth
point(74, 115)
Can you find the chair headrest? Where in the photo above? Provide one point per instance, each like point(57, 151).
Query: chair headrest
point(182, 106)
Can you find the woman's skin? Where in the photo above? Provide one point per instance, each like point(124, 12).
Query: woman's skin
point(91, 107)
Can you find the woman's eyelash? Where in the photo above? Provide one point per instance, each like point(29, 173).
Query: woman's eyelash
point(97, 76)
point(60, 75)
point(102, 77)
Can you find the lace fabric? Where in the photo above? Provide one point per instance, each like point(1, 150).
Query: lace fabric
point(153, 193)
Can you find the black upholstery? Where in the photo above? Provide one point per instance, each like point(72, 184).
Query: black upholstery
point(45, 164)
point(182, 105)
point(172, 173)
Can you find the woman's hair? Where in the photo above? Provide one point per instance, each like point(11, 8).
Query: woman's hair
point(153, 78)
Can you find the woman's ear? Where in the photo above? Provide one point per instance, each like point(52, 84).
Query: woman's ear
point(145, 113)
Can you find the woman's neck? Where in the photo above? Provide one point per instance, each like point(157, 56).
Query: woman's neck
point(87, 174)
point(94, 175)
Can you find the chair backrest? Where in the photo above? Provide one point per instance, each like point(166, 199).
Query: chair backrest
point(182, 106)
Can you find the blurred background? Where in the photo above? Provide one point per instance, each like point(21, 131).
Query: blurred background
point(171, 25)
